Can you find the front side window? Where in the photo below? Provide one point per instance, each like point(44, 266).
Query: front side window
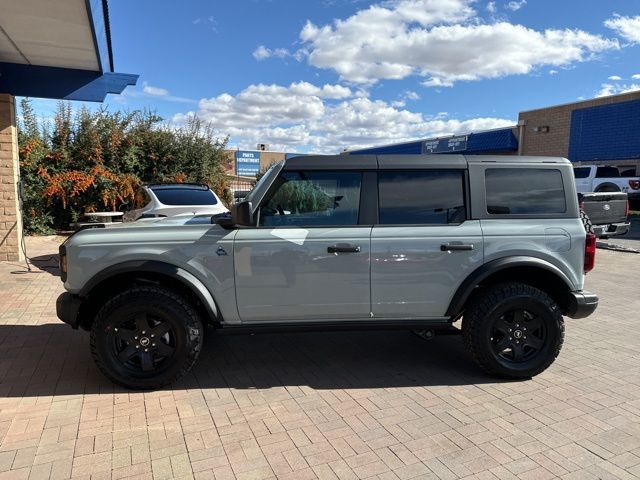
point(421, 197)
point(313, 199)
point(581, 172)
point(524, 191)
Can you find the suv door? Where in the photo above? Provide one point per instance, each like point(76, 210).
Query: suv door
point(424, 245)
point(308, 258)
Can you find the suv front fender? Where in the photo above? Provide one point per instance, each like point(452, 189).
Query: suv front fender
point(465, 290)
point(152, 266)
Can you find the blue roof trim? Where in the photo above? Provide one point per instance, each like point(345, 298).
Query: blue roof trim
point(61, 83)
point(605, 132)
point(502, 140)
point(99, 20)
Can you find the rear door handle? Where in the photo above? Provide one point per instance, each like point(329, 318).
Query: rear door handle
point(449, 247)
point(343, 248)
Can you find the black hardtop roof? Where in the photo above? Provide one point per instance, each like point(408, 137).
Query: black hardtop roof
point(374, 162)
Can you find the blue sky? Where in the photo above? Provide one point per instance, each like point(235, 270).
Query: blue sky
point(325, 75)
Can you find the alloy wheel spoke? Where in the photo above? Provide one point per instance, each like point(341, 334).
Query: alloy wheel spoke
point(124, 334)
point(518, 316)
point(161, 329)
point(164, 350)
point(126, 354)
point(502, 325)
point(146, 361)
point(142, 324)
point(518, 352)
point(533, 342)
point(503, 343)
point(534, 324)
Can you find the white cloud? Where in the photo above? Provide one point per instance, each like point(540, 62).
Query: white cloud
point(514, 6)
point(615, 78)
point(262, 53)
point(441, 40)
point(553, 72)
point(627, 27)
point(303, 117)
point(154, 91)
point(491, 7)
point(636, 76)
point(607, 89)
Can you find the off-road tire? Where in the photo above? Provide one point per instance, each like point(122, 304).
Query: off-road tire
point(586, 221)
point(167, 308)
point(488, 306)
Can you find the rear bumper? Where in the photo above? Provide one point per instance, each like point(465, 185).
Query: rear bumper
point(581, 304)
point(611, 230)
point(67, 309)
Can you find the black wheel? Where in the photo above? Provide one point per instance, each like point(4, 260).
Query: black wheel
point(586, 221)
point(146, 337)
point(513, 330)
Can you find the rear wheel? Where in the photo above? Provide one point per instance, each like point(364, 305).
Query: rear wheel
point(146, 337)
point(513, 330)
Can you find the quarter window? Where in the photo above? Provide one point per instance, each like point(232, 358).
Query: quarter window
point(418, 197)
point(524, 191)
point(313, 199)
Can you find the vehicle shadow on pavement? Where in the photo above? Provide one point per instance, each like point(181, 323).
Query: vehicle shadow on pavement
point(47, 263)
point(52, 359)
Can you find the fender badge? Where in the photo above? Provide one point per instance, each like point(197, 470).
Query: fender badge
point(221, 251)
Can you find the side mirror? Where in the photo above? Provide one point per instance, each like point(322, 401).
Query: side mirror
point(241, 214)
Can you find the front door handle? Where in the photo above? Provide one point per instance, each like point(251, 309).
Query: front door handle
point(343, 248)
point(449, 247)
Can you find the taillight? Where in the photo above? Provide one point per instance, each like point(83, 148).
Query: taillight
point(589, 252)
point(634, 184)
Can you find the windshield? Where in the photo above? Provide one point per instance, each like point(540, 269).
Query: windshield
point(266, 180)
point(185, 196)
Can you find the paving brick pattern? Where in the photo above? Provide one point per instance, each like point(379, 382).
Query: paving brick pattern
point(384, 405)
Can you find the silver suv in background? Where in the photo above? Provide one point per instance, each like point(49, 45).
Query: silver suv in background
point(168, 199)
point(413, 242)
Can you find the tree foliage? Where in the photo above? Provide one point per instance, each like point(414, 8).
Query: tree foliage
point(95, 161)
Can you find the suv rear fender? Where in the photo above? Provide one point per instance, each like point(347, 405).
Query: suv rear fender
point(112, 278)
point(530, 270)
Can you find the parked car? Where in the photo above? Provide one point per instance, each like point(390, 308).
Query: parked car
point(592, 178)
point(328, 242)
point(607, 212)
point(167, 199)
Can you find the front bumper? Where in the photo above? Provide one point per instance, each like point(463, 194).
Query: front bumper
point(67, 309)
point(611, 230)
point(581, 304)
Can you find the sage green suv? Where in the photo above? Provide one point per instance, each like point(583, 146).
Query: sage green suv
point(350, 241)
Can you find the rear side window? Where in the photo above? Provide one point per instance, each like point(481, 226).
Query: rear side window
point(419, 197)
point(185, 196)
point(524, 191)
point(581, 172)
point(607, 172)
point(141, 199)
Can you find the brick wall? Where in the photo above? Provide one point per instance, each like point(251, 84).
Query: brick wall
point(555, 142)
point(10, 218)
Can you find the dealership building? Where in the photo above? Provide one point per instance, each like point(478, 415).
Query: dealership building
point(603, 131)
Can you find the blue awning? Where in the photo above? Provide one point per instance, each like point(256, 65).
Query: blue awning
point(59, 50)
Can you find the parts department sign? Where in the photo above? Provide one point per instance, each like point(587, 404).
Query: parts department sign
point(443, 145)
point(247, 163)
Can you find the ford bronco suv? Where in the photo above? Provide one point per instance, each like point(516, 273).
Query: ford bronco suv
point(348, 241)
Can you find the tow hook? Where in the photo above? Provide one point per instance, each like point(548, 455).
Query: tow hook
point(426, 334)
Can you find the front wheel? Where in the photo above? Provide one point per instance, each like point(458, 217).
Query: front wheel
point(513, 330)
point(146, 337)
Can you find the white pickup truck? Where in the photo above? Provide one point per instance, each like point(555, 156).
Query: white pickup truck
point(593, 178)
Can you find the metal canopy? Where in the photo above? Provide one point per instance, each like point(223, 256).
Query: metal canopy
point(58, 49)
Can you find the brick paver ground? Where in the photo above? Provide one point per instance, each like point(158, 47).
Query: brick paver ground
point(384, 405)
